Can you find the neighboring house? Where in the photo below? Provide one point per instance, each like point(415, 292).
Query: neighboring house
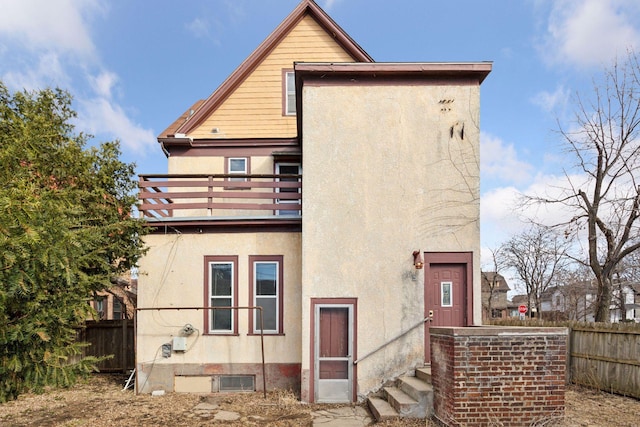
point(119, 302)
point(625, 297)
point(495, 304)
point(576, 301)
point(513, 306)
point(571, 301)
point(316, 184)
point(636, 302)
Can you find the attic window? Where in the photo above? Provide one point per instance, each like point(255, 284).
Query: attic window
point(289, 94)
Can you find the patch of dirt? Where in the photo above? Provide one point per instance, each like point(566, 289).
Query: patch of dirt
point(100, 401)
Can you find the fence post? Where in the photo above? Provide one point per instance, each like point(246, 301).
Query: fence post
point(125, 331)
point(569, 341)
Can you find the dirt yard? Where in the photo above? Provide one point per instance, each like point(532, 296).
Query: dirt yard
point(100, 401)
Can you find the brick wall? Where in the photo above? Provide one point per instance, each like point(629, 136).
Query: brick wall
point(487, 376)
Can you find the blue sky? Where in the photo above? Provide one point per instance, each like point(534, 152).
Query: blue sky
point(135, 66)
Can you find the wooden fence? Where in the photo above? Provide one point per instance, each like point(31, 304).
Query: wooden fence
point(600, 355)
point(608, 360)
point(110, 337)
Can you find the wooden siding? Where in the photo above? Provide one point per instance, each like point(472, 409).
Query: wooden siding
point(254, 109)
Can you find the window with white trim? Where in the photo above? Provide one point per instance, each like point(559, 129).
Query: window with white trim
point(237, 165)
point(221, 292)
point(290, 93)
point(266, 291)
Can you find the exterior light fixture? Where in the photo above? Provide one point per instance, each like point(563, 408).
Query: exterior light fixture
point(417, 260)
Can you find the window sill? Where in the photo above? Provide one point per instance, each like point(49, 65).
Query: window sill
point(266, 334)
point(221, 334)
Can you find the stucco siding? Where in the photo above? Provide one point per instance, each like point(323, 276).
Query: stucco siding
point(172, 275)
point(215, 164)
point(388, 170)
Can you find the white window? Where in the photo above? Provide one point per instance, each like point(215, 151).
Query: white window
point(221, 294)
point(288, 169)
point(290, 93)
point(267, 293)
point(237, 165)
point(446, 297)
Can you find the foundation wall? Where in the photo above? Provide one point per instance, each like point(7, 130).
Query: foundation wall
point(204, 378)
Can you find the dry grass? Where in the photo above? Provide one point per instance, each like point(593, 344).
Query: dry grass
point(100, 401)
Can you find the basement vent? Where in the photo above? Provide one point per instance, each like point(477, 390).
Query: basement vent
point(236, 383)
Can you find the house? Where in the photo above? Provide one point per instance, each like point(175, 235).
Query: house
point(576, 301)
point(571, 301)
point(625, 305)
point(338, 194)
point(513, 306)
point(495, 304)
point(116, 303)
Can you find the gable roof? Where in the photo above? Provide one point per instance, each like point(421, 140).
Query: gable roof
point(488, 277)
point(173, 127)
point(189, 121)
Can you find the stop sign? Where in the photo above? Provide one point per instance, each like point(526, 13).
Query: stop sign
point(522, 309)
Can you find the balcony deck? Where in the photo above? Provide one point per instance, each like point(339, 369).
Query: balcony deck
point(226, 200)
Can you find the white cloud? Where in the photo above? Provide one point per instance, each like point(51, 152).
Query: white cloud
point(101, 116)
point(591, 32)
point(49, 43)
point(503, 213)
point(500, 160)
point(328, 4)
point(552, 101)
point(58, 25)
point(199, 28)
point(46, 70)
point(103, 83)
point(499, 214)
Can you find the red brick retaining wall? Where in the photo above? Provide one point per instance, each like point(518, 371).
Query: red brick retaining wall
point(503, 376)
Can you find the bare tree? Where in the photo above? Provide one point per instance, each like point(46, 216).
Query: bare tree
point(491, 277)
point(605, 142)
point(537, 255)
point(577, 285)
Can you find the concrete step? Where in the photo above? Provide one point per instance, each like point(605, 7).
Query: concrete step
point(414, 387)
point(404, 404)
point(381, 409)
point(421, 392)
point(424, 374)
point(411, 397)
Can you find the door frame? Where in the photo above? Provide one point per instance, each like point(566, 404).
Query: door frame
point(460, 258)
point(352, 303)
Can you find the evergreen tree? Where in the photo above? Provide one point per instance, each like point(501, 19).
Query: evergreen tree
point(65, 231)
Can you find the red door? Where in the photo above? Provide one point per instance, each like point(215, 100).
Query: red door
point(333, 360)
point(445, 297)
point(334, 342)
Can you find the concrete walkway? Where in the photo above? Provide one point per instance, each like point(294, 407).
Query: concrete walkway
point(347, 416)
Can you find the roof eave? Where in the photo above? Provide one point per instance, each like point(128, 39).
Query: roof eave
point(475, 70)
